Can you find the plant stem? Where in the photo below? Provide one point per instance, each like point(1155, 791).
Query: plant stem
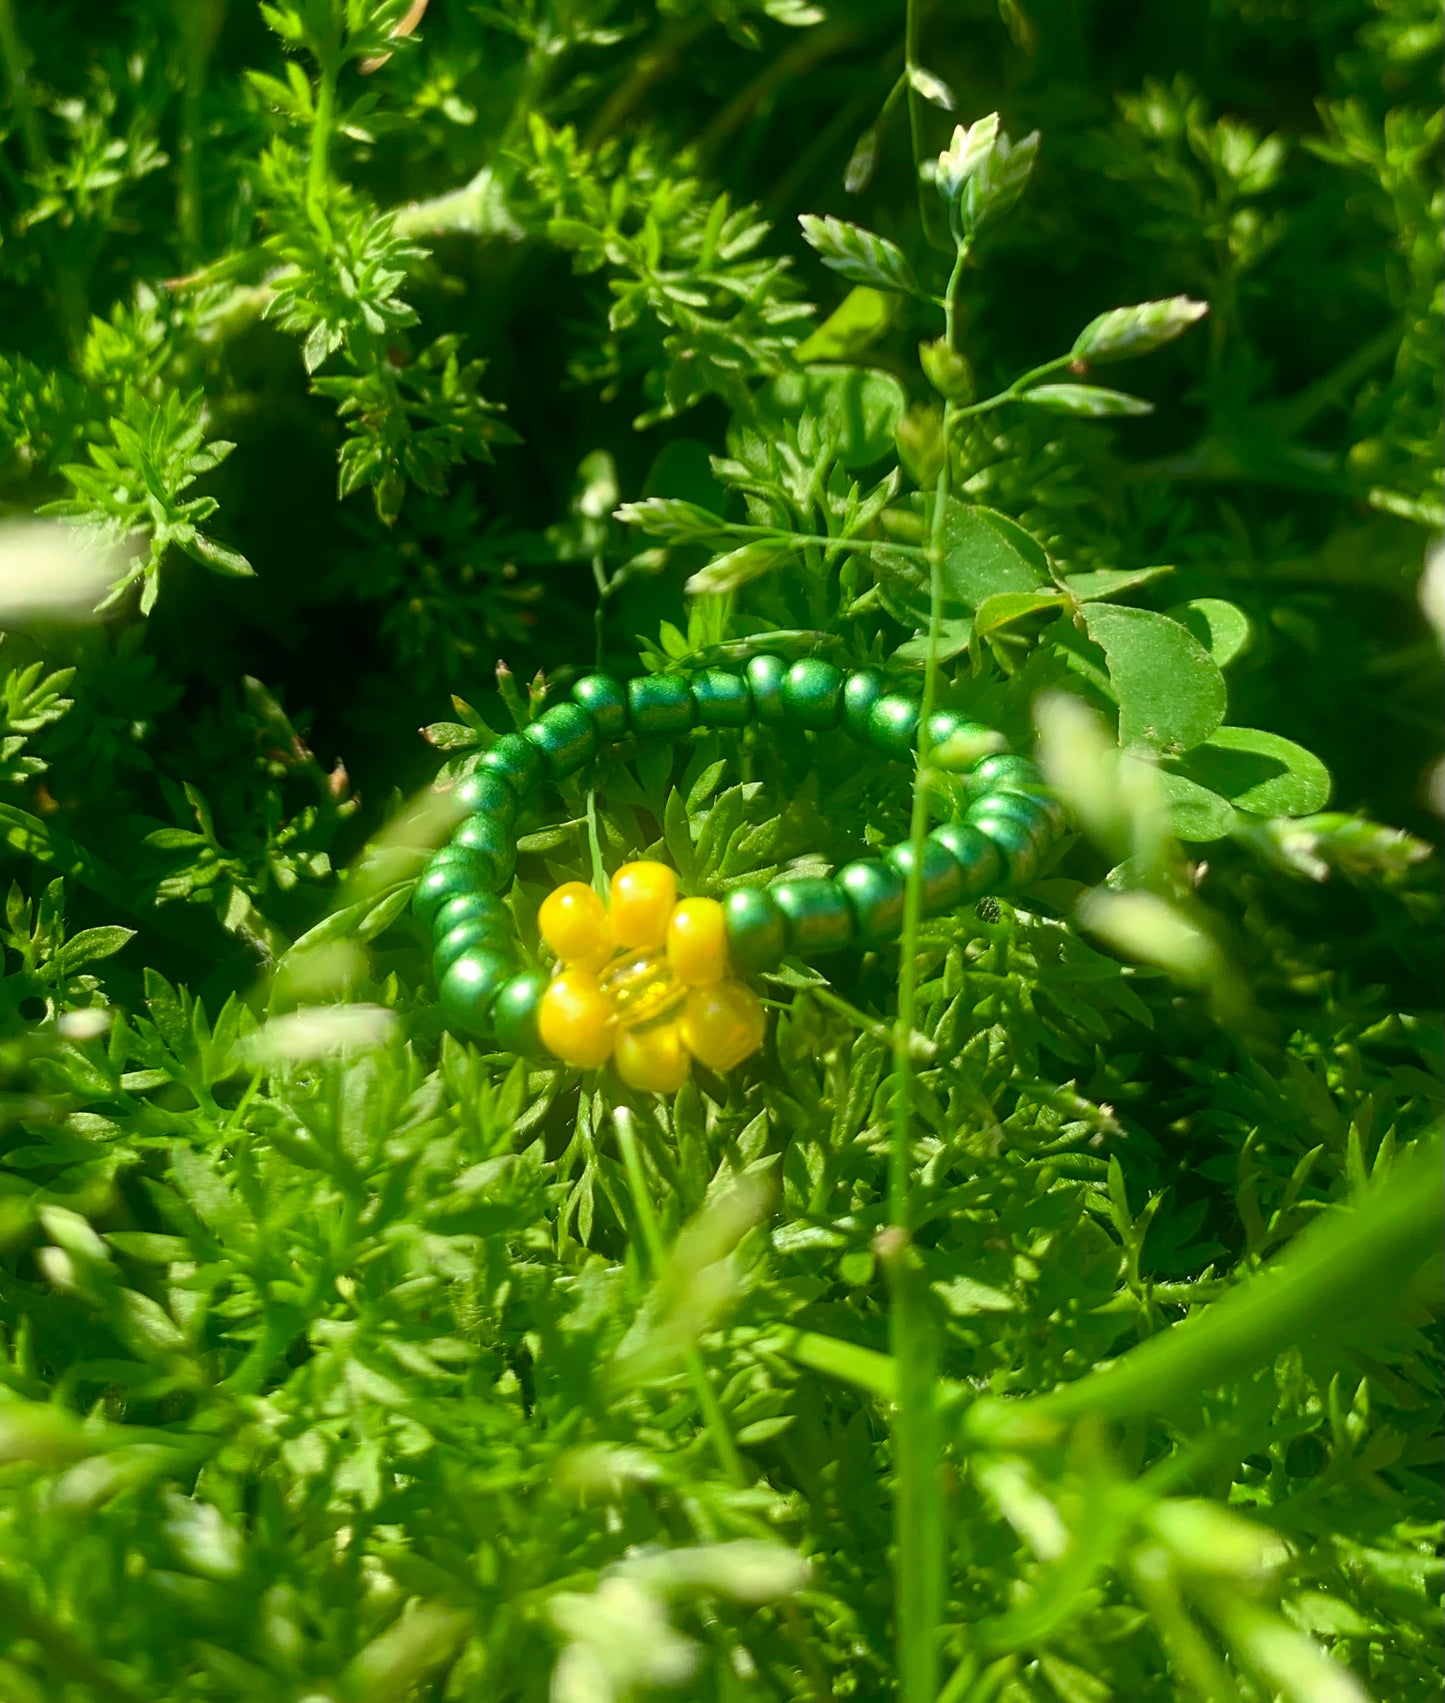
point(917, 1440)
point(1014, 391)
point(318, 171)
point(950, 297)
point(15, 63)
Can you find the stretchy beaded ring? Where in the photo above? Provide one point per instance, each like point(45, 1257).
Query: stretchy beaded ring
point(649, 981)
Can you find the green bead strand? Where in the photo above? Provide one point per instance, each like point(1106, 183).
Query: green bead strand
point(765, 682)
point(820, 919)
point(940, 879)
point(721, 699)
point(486, 793)
point(875, 891)
point(757, 931)
point(605, 700)
point(659, 704)
point(861, 690)
point(1003, 772)
point(893, 724)
point(813, 693)
point(1021, 837)
point(514, 1014)
point(451, 872)
point(492, 842)
point(516, 760)
point(474, 906)
point(975, 854)
point(567, 738)
point(470, 985)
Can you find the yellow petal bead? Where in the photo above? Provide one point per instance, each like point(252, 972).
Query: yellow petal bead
point(723, 1024)
point(697, 942)
point(654, 1059)
point(643, 895)
point(573, 922)
point(575, 1020)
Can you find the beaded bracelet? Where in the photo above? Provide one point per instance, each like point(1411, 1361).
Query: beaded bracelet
point(652, 982)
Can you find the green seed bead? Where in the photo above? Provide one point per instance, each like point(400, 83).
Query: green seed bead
point(875, 891)
point(659, 704)
point(861, 690)
point(757, 931)
point(820, 918)
point(605, 700)
point(765, 682)
point(516, 760)
point(1003, 772)
point(514, 1014)
point(721, 699)
point(474, 933)
point(451, 871)
point(476, 906)
point(567, 738)
point(974, 853)
point(470, 985)
point(813, 693)
point(1022, 839)
point(486, 793)
point(893, 723)
point(940, 878)
point(494, 847)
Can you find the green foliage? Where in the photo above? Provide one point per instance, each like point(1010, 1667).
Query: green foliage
point(1050, 1314)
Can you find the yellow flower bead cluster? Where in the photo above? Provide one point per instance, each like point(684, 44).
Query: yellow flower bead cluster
point(642, 978)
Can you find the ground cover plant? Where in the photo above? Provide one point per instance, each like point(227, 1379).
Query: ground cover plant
point(1050, 1313)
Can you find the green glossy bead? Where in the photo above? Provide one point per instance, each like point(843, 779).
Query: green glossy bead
point(974, 853)
point(893, 723)
point(475, 906)
point(486, 793)
point(493, 845)
point(940, 878)
point(605, 700)
point(861, 690)
point(659, 704)
point(467, 936)
point(875, 891)
point(820, 919)
point(1022, 838)
point(516, 760)
point(1004, 772)
point(451, 871)
point(813, 693)
point(470, 985)
point(721, 699)
point(765, 681)
point(757, 931)
point(514, 1014)
point(567, 738)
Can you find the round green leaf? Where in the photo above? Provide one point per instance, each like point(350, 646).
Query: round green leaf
point(1259, 772)
point(986, 554)
point(1222, 628)
point(1168, 688)
point(1195, 813)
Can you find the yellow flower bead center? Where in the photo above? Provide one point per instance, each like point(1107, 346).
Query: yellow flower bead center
point(642, 988)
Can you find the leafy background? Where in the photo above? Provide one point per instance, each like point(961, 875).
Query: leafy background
point(383, 343)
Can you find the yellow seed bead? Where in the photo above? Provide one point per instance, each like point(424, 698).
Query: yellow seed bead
point(575, 1020)
point(697, 942)
point(723, 1024)
point(573, 922)
point(654, 1060)
point(643, 895)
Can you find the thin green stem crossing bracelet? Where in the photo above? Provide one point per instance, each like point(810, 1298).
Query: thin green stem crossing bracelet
point(652, 982)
